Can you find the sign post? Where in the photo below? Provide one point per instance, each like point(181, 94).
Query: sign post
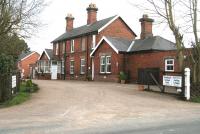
point(187, 83)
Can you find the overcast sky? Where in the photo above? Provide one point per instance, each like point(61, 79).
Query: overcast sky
point(54, 18)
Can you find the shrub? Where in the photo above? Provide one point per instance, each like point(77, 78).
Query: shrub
point(123, 76)
point(29, 83)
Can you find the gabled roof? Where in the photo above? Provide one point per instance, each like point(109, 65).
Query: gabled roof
point(87, 29)
point(152, 43)
point(48, 52)
point(24, 55)
point(116, 43)
point(123, 45)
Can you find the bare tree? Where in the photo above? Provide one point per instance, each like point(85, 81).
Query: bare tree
point(195, 53)
point(19, 16)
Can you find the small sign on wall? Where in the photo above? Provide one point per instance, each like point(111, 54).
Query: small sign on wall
point(14, 81)
point(174, 81)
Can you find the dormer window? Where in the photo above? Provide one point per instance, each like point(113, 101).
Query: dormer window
point(93, 41)
point(72, 46)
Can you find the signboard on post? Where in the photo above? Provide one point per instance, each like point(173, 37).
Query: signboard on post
point(14, 81)
point(174, 81)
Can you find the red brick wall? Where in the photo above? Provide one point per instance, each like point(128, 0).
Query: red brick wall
point(25, 63)
point(76, 56)
point(117, 29)
point(149, 60)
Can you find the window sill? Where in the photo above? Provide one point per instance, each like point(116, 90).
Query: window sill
point(169, 70)
point(101, 73)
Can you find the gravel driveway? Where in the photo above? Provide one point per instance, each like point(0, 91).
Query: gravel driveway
point(62, 106)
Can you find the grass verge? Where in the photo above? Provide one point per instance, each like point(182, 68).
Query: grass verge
point(22, 96)
point(196, 99)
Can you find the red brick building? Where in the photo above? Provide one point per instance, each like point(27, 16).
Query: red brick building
point(75, 45)
point(26, 63)
point(100, 50)
point(114, 55)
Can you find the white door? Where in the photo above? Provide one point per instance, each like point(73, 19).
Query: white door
point(54, 72)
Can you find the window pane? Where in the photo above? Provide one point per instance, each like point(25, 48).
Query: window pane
point(108, 64)
point(102, 68)
point(71, 67)
point(82, 69)
point(72, 45)
point(108, 68)
point(103, 60)
point(108, 60)
point(169, 62)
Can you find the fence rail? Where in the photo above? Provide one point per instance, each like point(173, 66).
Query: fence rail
point(6, 90)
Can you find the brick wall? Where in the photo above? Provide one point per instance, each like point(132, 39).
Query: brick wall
point(76, 56)
point(149, 60)
point(117, 29)
point(25, 63)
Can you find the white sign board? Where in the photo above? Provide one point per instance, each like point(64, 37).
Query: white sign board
point(174, 81)
point(13, 81)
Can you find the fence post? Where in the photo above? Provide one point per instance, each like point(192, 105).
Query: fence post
point(187, 83)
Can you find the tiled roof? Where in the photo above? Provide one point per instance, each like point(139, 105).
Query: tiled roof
point(152, 43)
point(23, 55)
point(50, 53)
point(120, 44)
point(86, 29)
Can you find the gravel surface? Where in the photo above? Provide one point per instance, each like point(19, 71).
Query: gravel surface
point(62, 106)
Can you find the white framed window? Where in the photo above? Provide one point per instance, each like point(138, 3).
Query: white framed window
point(105, 64)
point(83, 44)
point(57, 45)
point(44, 66)
point(108, 64)
point(72, 46)
point(93, 41)
point(71, 66)
point(169, 65)
point(82, 69)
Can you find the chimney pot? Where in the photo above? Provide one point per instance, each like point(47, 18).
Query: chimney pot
point(146, 27)
point(69, 22)
point(92, 13)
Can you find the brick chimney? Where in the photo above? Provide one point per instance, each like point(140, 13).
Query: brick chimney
point(146, 27)
point(92, 13)
point(69, 22)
